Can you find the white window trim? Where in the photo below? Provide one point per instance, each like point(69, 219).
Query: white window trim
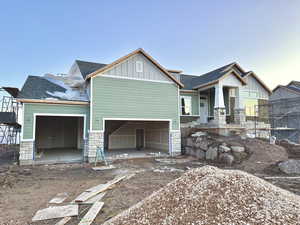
point(190, 97)
point(139, 66)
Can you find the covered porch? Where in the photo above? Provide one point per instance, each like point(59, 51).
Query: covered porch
point(220, 105)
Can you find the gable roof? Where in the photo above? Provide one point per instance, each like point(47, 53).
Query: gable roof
point(251, 73)
point(294, 82)
point(86, 67)
point(289, 88)
point(141, 51)
point(295, 88)
point(194, 82)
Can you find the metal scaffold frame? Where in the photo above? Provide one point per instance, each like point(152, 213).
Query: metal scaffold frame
point(9, 126)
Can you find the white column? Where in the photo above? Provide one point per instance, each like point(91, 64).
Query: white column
point(219, 97)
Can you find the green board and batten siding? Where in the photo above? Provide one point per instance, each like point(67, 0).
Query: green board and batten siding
point(195, 102)
point(128, 98)
point(32, 108)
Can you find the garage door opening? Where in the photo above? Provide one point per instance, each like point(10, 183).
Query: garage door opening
point(136, 138)
point(59, 139)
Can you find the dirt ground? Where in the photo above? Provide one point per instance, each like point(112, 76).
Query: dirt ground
point(24, 190)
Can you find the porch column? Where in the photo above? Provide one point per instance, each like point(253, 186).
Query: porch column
point(219, 108)
point(239, 108)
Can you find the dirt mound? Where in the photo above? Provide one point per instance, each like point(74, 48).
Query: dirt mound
point(262, 155)
point(209, 195)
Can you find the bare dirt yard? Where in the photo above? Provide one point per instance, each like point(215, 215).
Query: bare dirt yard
point(25, 190)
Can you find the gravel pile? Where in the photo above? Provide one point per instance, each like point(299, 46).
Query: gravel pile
point(208, 195)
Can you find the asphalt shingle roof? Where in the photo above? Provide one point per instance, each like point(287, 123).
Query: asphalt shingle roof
point(36, 87)
point(88, 67)
point(191, 81)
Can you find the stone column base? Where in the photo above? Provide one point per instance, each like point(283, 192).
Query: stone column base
point(219, 116)
point(96, 140)
point(175, 142)
point(26, 153)
point(239, 116)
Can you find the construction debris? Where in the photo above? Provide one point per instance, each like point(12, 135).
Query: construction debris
point(209, 195)
point(91, 214)
point(59, 198)
point(100, 168)
point(64, 221)
point(167, 169)
point(56, 212)
point(94, 199)
point(97, 189)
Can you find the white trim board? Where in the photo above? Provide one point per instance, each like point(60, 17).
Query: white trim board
point(132, 78)
point(91, 104)
point(135, 119)
point(58, 115)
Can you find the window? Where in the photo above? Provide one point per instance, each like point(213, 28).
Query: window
point(139, 66)
point(186, 105)
point(251, 107)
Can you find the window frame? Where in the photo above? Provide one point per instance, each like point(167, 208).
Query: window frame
point(189, 98)
point(139, 66)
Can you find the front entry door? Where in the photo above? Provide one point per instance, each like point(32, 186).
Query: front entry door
point(203, 109)
point(139, 134)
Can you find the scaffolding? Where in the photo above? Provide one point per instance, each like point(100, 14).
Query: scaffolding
point(284, 117)
point(9, 126)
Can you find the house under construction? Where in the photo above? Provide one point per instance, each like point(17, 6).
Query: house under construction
point(284, 107)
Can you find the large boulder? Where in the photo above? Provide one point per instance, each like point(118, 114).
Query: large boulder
point(226, 158)
point(200, 154)
point(203, 142)
point(189, 142)
point(224, 149)
point(237, 149)
point(212, 153)
point(291, 166)
point(199, 134)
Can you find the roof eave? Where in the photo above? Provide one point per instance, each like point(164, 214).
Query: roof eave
point(48, 101)
point(118, 61)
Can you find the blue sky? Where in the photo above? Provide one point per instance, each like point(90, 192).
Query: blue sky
point(39, 37)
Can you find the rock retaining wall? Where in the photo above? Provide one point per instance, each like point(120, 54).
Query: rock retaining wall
point(205, 147)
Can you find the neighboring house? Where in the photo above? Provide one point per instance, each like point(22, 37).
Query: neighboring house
point(284, 110)
point(132, 103)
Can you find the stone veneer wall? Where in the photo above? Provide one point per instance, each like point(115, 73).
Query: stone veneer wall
point(26, 152)
point(239, 116)
point(175, 137)
point(219, 116)
point(96, 139)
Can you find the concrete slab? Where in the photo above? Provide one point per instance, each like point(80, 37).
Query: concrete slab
point(113, 154)
point(52, 156)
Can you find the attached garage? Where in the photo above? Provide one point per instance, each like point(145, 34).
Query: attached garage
point(59, 138)
point(130, 136)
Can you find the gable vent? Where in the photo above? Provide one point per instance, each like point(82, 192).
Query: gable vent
point(139, 66)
